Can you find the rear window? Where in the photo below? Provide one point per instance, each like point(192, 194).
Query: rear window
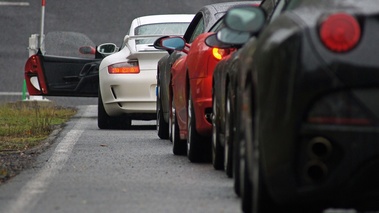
point(159, 29)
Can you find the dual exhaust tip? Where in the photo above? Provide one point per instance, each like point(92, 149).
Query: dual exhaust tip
point(319, 149)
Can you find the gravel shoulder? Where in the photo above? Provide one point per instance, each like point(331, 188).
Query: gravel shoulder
point(12, 163)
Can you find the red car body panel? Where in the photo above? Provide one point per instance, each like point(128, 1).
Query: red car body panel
point(179, 94)
point(195, 72)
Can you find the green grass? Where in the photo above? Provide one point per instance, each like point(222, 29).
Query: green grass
point(23, 125)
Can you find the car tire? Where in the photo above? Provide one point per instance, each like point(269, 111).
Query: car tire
point(237, 155)
point(256, 196)
point(162, 125)
point(246, 195)
point(179, 146)
point(229, 134)
point(170, 126)
point(236, 169)
point(197, 146)
point(104, 121)
point(217, 151)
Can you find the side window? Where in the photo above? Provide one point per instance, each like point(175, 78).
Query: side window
point(217, 26)
point(278, 9)
point(268, 6)
point(198, 30)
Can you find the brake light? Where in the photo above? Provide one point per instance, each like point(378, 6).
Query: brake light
point(130, 67)
point(340, 32)
point(339, 109)
point(220, 53)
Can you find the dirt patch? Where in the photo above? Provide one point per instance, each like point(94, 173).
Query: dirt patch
point(12, 163)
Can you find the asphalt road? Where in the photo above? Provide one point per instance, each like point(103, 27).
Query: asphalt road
point(92, 170)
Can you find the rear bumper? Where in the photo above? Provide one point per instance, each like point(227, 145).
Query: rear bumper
point(201, 90)
point(339, 164)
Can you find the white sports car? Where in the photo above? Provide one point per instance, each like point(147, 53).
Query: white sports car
point(127, 78)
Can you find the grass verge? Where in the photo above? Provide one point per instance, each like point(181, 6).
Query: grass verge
point(23, 125)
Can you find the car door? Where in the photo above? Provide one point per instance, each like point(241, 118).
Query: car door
point(61, 73)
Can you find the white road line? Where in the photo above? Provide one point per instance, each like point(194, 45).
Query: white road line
point(34, 188)
point(7, 3)
point(10, 93)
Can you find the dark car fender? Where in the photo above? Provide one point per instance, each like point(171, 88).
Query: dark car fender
point(164, 81)
point(276, 66)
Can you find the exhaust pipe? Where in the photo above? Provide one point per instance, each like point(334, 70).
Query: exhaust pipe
point(316, 171)
point(319, 148)
point(208, 117)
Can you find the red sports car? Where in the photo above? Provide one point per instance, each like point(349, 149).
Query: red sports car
point(192, 92)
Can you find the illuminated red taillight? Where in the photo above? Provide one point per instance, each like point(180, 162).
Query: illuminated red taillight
point(130, 67)
point(220, 53)
point(340, 32)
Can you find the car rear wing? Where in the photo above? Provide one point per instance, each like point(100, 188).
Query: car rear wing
point(143, 47)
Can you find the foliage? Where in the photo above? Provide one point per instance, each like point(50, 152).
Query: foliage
point(25, 124)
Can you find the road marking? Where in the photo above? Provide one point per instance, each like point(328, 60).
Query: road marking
point(32, 191)
point(10, 93)
point(7, 3)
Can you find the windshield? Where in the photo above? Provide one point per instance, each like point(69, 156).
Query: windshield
point(159, 29)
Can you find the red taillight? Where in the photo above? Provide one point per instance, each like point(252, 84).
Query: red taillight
point(220, 53)
point(130, 67)
point(33, 73)
point(340, 32)
point(32, 65)
point(339, 109)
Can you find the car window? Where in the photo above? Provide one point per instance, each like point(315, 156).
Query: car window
point(198, 30)
point(278, 9)
point(159, 29)
point(217, 26)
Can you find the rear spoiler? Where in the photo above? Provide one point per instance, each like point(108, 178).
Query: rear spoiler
point(143, 47)
point(128, 37)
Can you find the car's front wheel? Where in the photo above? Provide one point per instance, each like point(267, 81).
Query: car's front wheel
point(162, 125)
point(229, 133)
point(217, 151)
point(198, 147)
point(178, 145)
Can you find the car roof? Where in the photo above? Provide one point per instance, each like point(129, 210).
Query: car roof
point(222, 7)
point(211, 13)
point(163, 18)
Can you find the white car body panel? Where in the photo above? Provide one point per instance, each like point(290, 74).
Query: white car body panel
point(134, 93)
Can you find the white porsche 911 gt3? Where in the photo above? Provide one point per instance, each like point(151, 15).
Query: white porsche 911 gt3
point(127, 78)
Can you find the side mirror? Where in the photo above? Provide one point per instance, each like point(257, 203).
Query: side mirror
point(170, 43)
point(227, 38)
point(245, 19)
point(107, 48)
point(212, 41)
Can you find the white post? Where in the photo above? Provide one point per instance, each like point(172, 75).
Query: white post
point(42, 34)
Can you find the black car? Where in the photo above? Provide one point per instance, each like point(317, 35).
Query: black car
point(225, 141)
point(202, 22)
point(223, 97)
point(308, 108)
